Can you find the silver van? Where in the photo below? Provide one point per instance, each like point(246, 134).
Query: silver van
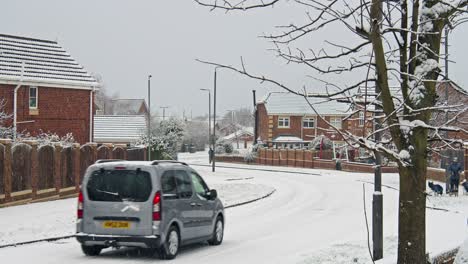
point(158, 205)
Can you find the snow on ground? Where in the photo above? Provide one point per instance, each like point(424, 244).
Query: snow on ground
point(57, 218)
point(462, 256)
point(448, 215)
point(315, 216)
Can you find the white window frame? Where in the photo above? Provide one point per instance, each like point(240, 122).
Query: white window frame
point(283, 120)
point(37, 97)
point(361, 119)
point(308, 120)
point(336, 121)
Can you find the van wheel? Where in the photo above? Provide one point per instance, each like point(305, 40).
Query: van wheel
point(170, 248)
point(218, 232)
point(91, 250)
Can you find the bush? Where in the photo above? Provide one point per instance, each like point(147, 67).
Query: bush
point(220, 150)
point(228, 148)
point(250, 157)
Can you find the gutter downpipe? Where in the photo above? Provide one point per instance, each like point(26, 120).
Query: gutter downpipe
point(91, 127)
point(15, 101)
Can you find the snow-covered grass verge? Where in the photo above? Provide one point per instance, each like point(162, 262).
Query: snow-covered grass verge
point(57, 218)
point(445, 214)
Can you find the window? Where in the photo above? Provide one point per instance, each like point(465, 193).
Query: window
point(119, 185)
point(361, 119)
point(308, 122)
point(335, 121)
point(199, 185)
point(283, 122)
point(33, 97)
point(184, 188)
point(168, 185)
point(176, 184)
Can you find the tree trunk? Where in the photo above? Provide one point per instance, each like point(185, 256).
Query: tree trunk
point(412, 218)
point(412, 205)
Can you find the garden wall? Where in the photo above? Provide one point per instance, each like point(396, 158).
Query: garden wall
point(310, 159)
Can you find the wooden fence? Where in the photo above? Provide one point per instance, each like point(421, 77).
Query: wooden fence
point(29, 172)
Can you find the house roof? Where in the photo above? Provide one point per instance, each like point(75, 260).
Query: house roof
point(245, 131)
point(454, 85)
point(40, 62)
point(279, 103)
point(127, 106)
point(118, 128)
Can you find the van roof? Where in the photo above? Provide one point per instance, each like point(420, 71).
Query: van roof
point(113, 163)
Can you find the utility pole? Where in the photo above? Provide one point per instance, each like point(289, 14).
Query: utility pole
point(234, 127)
point(164, 111)
point(149, 116)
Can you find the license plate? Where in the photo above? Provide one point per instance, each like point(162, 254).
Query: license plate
point(116, 224)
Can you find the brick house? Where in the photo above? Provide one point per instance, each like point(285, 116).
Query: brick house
point(53, 92)
point(285, 115)
point(456, 96)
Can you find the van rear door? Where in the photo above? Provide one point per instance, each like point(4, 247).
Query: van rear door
point(118, 202)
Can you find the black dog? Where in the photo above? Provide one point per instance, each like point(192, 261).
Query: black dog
point(436, 188)
point(465, 185)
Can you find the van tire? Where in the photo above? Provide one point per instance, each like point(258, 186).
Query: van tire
point(218, 232)
point(91, 250)
point(171, 245)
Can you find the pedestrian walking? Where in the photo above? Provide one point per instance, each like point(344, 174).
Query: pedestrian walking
point(210, 154)
point(454, 171)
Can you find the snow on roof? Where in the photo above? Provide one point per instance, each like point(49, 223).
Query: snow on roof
point(244, 131)
point(287, 139)
point(127, 106)
point(36, 61)
point(278, 103)
point(118, 128)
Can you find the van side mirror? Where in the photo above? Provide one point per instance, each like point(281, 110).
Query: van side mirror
point(212, 194)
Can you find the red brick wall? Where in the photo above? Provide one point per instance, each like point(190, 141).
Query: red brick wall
point(262, 122)
point(61, 111)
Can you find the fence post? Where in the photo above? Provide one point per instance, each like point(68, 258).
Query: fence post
point(76, 165)
point(94, 147)
point(58, 167)
point(34, 167)
point(7, 172)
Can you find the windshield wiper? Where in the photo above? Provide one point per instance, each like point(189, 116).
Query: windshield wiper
point(111, 193)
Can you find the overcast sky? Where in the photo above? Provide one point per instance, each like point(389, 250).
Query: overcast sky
point(124, 41)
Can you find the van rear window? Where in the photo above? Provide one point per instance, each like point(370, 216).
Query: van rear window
point(119, 185)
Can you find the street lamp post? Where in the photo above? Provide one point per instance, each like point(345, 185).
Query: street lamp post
point(209, 120)
point(149, 116)
point(214, 125)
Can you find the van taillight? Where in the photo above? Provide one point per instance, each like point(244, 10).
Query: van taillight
point(157, 207)
point(79, 213)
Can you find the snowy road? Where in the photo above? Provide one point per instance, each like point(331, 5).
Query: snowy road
point(306, 216)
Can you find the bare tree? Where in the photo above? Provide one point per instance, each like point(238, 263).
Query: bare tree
point(5, 130)
point(397, 51)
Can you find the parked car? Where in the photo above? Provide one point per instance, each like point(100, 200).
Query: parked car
point(159, 205)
